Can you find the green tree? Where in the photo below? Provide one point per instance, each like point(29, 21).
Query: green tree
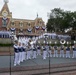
point(61, 20)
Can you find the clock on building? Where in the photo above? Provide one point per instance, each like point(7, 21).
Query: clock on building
point(4, 13)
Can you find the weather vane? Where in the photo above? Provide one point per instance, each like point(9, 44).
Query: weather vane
point(6, 1)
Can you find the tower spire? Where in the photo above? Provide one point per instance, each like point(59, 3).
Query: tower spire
point(37, 15)
point(6, 1)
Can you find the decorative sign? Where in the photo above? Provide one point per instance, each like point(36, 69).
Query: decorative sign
point(43, 27)
point(29, 29)
point(13, 29)
point(37, 27)
point(4, 18)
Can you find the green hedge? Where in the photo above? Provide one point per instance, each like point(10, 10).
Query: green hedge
point(5, 45)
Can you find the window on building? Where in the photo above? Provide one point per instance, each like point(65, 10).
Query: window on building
point(12, 23)
point(21, 24)
point(29, 24)
point(4, 22)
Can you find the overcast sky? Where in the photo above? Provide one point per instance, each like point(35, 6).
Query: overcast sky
point(28, 9)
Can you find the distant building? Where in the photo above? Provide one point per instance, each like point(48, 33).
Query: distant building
point(19, 26)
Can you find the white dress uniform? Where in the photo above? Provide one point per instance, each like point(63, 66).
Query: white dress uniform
point(20, 53)
point(67, 52)
point(44, 52)
point(50, 51)
point(24, 52)
point(55, 51)
point(29, 52)
point(38, 50)
point(34, 52)
point(47, 50)
point(61, 52)
point(74, 52)
point(16, 55)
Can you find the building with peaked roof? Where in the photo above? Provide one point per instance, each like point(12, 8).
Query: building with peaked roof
point(20, 26)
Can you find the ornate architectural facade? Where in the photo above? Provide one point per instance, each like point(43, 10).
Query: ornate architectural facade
point(19, 26)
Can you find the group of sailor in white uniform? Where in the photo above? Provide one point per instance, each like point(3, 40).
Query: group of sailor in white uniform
point(24, 49)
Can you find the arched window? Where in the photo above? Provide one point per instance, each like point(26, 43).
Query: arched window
point(12, 23)
point(4, 21)
point(29, 24)
point(21, 24)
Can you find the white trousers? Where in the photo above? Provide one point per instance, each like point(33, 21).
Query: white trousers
point(61, 53)
point(74, 54)
point(23, 56)
point(20, 57)
point(49, 53)
point(34, 54)
point(67, 54)
point(38, 52)
point(55, 53)
point(16, 59)
point(28, 54)
point(44, 54)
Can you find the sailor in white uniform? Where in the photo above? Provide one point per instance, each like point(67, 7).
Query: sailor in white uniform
point(44, 52)
point(62, 51)
point(29, 51)
point(24, 52)
point(55, 51)
point(34, 51)
point(38, 50)
point(20, 52)
point(67, 52)
point(16, 53)
point(50, 50)
point(47, 49)
point(74, 51)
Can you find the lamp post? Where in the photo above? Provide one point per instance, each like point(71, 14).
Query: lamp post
point(74, 42)
point(10, 51)
point(49, 59)
point(10, 60)
point(45, 41)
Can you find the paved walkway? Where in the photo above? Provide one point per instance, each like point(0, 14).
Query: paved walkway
point(5, 61)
